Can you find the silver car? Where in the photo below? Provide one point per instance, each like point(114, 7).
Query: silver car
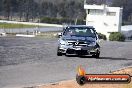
point(79, 40)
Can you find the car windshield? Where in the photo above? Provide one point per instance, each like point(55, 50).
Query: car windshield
point(79, 31)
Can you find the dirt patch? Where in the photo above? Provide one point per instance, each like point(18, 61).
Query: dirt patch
point(73, 84)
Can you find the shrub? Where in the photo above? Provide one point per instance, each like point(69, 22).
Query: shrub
point(116, 36)
point(102, 36)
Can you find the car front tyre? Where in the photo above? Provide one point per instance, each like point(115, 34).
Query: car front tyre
point(59, 53)
point(96, 55)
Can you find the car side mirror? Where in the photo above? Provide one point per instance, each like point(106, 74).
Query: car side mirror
point(97, 38)
point(59, 34)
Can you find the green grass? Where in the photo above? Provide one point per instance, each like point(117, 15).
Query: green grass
point(9, 25)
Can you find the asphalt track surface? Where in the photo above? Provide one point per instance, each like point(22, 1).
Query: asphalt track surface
point(33, 61)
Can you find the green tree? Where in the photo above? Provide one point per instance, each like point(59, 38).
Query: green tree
point(61, 9)
point(48, 9)
point(7, 8)
point(127, 8)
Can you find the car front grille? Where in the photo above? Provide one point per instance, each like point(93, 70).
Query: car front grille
point(76, 43)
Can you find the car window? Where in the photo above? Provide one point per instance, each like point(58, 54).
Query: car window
point(80, 32)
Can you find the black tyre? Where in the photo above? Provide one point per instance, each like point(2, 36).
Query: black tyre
point(96, 55)
point(59, 53)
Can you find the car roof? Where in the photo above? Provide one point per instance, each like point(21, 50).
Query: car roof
point(70, 26)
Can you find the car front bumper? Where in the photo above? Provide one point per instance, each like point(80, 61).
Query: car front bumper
point(89, 50)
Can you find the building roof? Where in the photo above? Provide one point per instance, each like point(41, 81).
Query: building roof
point(101, 7)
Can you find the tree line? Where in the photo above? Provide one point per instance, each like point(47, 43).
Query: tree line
point(34, 10)
point(29, 9)
point(127, 9)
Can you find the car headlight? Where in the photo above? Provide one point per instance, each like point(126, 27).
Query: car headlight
point(62, 42)
point(92, 44)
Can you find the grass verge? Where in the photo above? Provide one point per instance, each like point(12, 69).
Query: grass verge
point(9, 25)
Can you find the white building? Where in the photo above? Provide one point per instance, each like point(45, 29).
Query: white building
point(105, 19)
